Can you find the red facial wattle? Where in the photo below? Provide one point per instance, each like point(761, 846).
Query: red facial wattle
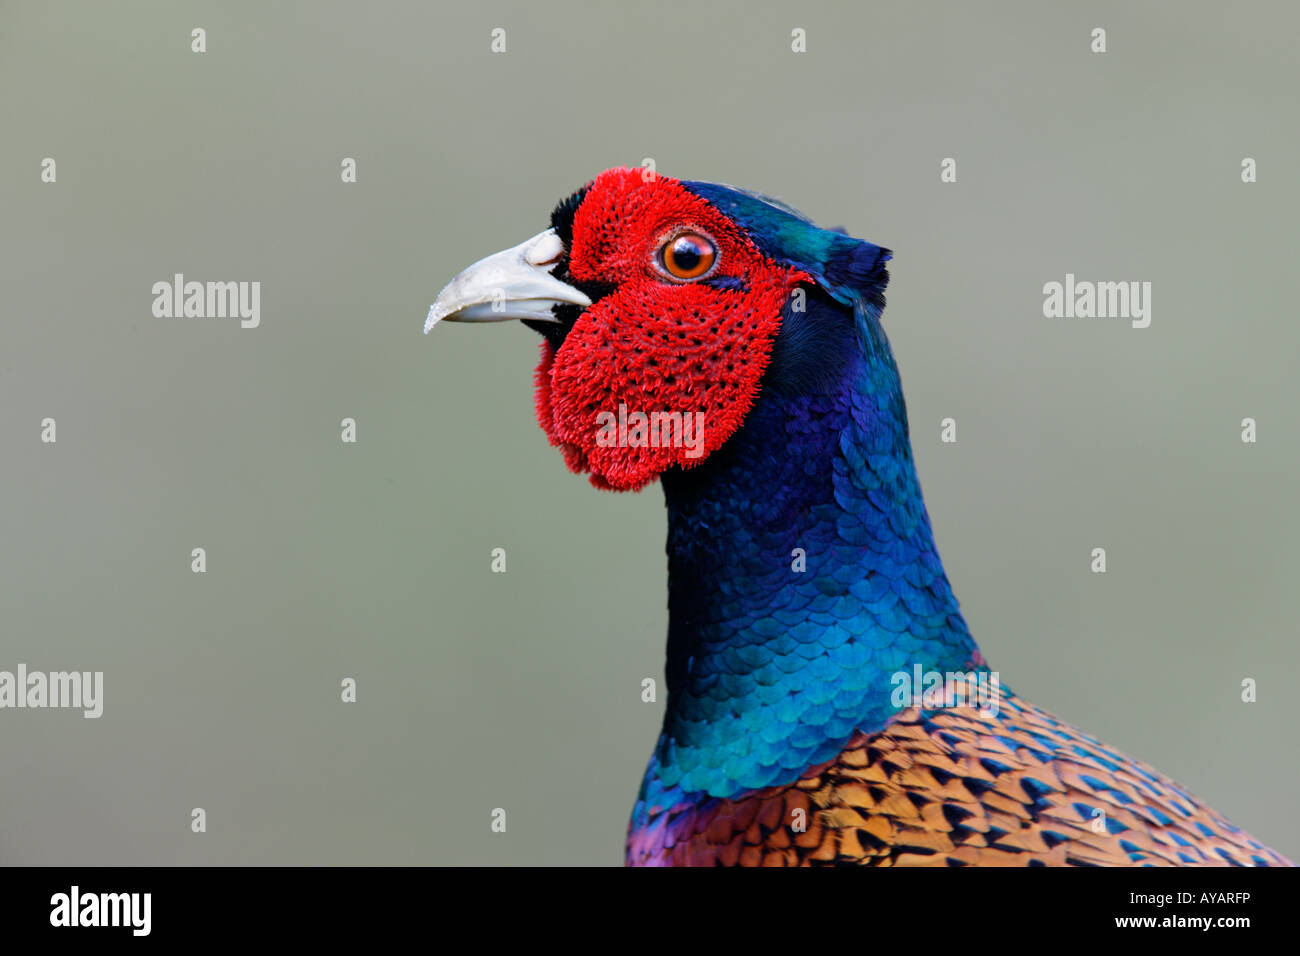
point(658, 344)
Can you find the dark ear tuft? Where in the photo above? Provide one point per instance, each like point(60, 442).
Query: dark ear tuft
point(846, 268)
point(861, 266)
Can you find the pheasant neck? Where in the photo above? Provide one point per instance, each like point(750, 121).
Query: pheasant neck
point(805, 591)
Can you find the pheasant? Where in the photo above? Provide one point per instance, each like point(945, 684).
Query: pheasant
point(826, 701)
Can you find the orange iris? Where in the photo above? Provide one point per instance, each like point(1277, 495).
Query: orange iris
point(688, 255)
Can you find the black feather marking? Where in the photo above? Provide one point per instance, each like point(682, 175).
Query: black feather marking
point(566, 314)
point(563, 213)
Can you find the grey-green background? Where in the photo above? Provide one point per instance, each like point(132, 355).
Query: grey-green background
point(522, 690)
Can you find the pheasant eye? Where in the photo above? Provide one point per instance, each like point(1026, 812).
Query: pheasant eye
point(688, 255)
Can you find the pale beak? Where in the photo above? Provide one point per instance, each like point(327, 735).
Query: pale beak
point(514, 284)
